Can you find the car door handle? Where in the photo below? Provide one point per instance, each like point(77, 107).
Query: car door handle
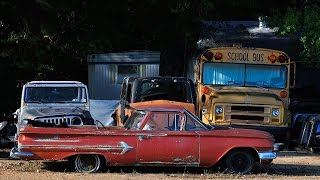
point(142, 137)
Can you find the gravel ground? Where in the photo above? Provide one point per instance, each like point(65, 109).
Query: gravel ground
point(293, 165)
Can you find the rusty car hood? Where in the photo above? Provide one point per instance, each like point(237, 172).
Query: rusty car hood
point(240, 132)
point(164, 103)
point(244, 95)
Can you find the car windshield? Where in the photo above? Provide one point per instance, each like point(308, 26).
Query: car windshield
point(132, 123)
point(197, 121)
point(267, 76)
point(55, 95)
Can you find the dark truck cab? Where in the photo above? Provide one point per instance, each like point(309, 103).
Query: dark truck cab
point(305, 108)
point(160, 89)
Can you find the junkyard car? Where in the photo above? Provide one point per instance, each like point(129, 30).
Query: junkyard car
point(56, 102)
point(157, 135)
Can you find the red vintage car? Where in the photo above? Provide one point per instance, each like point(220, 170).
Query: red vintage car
point(155, 135)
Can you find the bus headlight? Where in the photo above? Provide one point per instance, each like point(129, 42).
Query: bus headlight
point(219, 110)
point(204, 110)
point(275, 112)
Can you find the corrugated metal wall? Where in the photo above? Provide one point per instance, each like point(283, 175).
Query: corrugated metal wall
point(103, 83)
point(149, 70)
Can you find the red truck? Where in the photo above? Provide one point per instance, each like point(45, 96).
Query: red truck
point(154, 135)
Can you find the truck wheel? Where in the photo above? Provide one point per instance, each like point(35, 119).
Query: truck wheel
point(87, 163)
point(239, 161)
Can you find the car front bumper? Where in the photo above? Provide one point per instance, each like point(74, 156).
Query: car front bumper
point(267, 157)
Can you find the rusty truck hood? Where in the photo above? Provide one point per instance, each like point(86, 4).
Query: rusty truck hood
point(244, 95)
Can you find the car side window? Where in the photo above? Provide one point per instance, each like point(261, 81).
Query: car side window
point(164, 121)
point(192, 125)
point(178, 122)
point(157, 121)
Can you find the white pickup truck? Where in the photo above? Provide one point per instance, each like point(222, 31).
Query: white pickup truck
point(54, 103)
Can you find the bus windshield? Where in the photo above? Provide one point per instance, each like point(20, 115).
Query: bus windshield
point(268, 76)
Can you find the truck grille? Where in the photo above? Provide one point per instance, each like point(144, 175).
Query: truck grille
point(248, 114)
point(70, 120)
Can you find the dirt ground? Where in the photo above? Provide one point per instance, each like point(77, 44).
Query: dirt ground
point(292, 165)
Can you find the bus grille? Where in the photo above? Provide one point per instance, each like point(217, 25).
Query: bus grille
point(248, 114)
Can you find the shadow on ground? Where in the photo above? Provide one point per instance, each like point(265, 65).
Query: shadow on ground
point(4, 154)
point(273, 169)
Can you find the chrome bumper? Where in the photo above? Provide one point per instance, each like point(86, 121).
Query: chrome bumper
point(268, 155)
point(15, 154)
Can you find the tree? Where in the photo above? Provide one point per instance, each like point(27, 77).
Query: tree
point(49, 40)
point(302, 19)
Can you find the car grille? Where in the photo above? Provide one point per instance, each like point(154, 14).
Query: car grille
point(69, 120)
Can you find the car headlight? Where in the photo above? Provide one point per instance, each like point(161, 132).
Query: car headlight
point(219, 110)
point(275, 112)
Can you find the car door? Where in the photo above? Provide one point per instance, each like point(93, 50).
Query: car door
point(164, 141)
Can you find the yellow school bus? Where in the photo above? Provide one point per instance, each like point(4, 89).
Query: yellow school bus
point(244, 87)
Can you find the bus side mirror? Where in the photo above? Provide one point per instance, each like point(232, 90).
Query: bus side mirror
point(292, 81)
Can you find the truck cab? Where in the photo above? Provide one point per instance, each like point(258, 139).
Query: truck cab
point(54, 102)
point(178, 90)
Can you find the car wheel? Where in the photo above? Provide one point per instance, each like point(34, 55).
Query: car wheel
point(87, 163)
point(239, 161)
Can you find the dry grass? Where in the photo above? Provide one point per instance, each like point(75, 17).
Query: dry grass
point(284, 167)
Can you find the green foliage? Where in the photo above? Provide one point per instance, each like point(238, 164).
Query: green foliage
point(291, 22)
point(43, 39)
point(305, 21)
point(311, 36)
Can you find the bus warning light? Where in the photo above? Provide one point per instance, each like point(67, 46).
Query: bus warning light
point(272, 58)
point(282, 58)
point(283, 94)
point(218, 56)
point(208, 55)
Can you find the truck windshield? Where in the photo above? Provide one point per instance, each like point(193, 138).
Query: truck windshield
point(172, 91)
point(267, 76)
point(55, 95)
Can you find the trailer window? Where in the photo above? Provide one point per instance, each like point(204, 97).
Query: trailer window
point(126, 70)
